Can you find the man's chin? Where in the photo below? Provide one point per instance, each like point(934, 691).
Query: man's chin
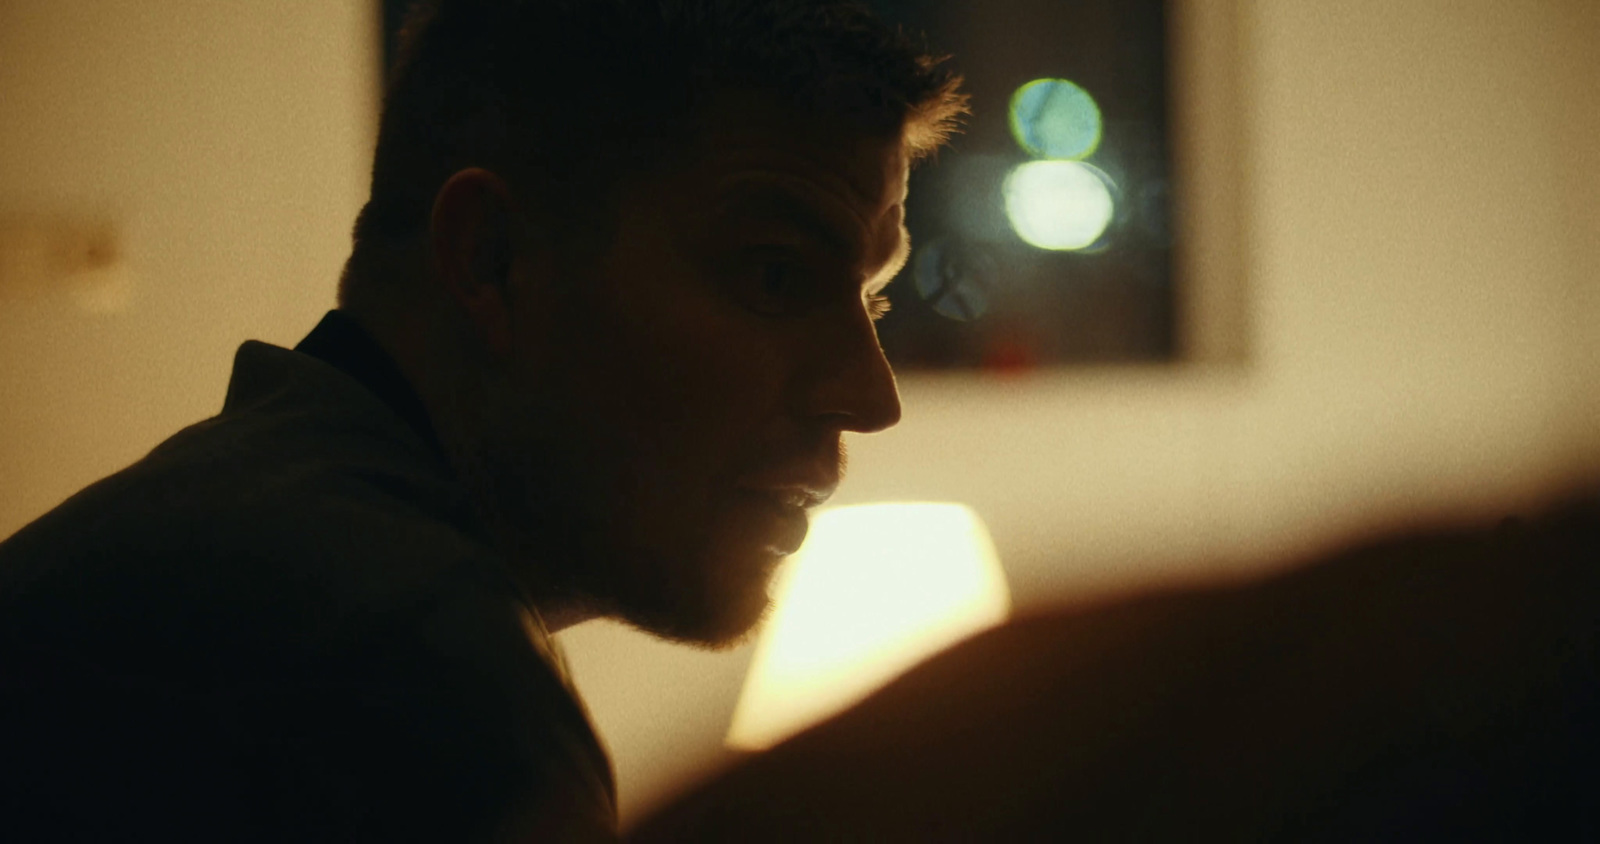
point(711, 629)
point(715, 615)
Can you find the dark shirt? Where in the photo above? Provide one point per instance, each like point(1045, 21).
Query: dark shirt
point(283, 624)
point(341, 342)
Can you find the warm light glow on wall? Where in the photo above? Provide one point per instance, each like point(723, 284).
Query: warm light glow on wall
point(876, 589)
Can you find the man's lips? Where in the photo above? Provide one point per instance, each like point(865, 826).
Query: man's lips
point(781, 520)
point(780, 497)
point(805, 489)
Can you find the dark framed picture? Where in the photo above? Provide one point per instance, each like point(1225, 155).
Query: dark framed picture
point(1042, 236)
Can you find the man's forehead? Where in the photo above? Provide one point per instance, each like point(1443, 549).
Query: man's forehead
point(743, 132)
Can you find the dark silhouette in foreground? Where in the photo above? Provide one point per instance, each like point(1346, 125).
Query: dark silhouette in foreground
point(1436, 686)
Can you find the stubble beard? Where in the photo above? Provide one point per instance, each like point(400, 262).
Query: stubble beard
point(523, 497)
point(559, 533)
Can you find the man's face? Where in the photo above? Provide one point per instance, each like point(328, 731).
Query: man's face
point(691, 390)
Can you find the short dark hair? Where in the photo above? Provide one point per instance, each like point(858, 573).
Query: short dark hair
point(571, 97)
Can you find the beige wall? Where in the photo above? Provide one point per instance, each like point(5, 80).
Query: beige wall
point(226, 144)
point(1417, 193)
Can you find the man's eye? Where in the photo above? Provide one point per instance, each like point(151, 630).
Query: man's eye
point(776, 285)
point(877, 306)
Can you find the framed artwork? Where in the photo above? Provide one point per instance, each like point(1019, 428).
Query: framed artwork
point(1042, 236)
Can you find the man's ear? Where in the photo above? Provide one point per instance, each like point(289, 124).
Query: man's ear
point(473, 234)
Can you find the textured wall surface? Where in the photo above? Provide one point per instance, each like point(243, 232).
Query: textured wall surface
point(226, 144)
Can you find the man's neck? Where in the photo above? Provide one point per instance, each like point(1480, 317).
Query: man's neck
point(431, 362)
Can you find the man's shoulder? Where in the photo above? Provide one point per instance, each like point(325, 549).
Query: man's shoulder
point(303, 502)
point(294, 587)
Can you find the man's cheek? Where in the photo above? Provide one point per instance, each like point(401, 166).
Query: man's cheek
point(705, 385)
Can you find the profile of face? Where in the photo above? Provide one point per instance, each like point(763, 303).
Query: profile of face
point(664, 422)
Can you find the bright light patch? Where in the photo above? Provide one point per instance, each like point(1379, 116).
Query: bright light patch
point(1053, 118)
point(876, 589)
point(1058, 204)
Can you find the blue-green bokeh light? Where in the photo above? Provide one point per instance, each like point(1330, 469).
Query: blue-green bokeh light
point(1054, 118)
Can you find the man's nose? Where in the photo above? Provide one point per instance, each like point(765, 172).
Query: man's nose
point(855, 388)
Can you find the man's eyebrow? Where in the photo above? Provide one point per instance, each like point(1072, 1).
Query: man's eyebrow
point(787, 207)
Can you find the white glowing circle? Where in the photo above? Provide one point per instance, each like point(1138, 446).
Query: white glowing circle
point(1058, 205)
point(876, 589)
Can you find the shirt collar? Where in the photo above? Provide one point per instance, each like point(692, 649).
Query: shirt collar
point(341, 342)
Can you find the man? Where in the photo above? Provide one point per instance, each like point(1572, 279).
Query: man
point(608, 313)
